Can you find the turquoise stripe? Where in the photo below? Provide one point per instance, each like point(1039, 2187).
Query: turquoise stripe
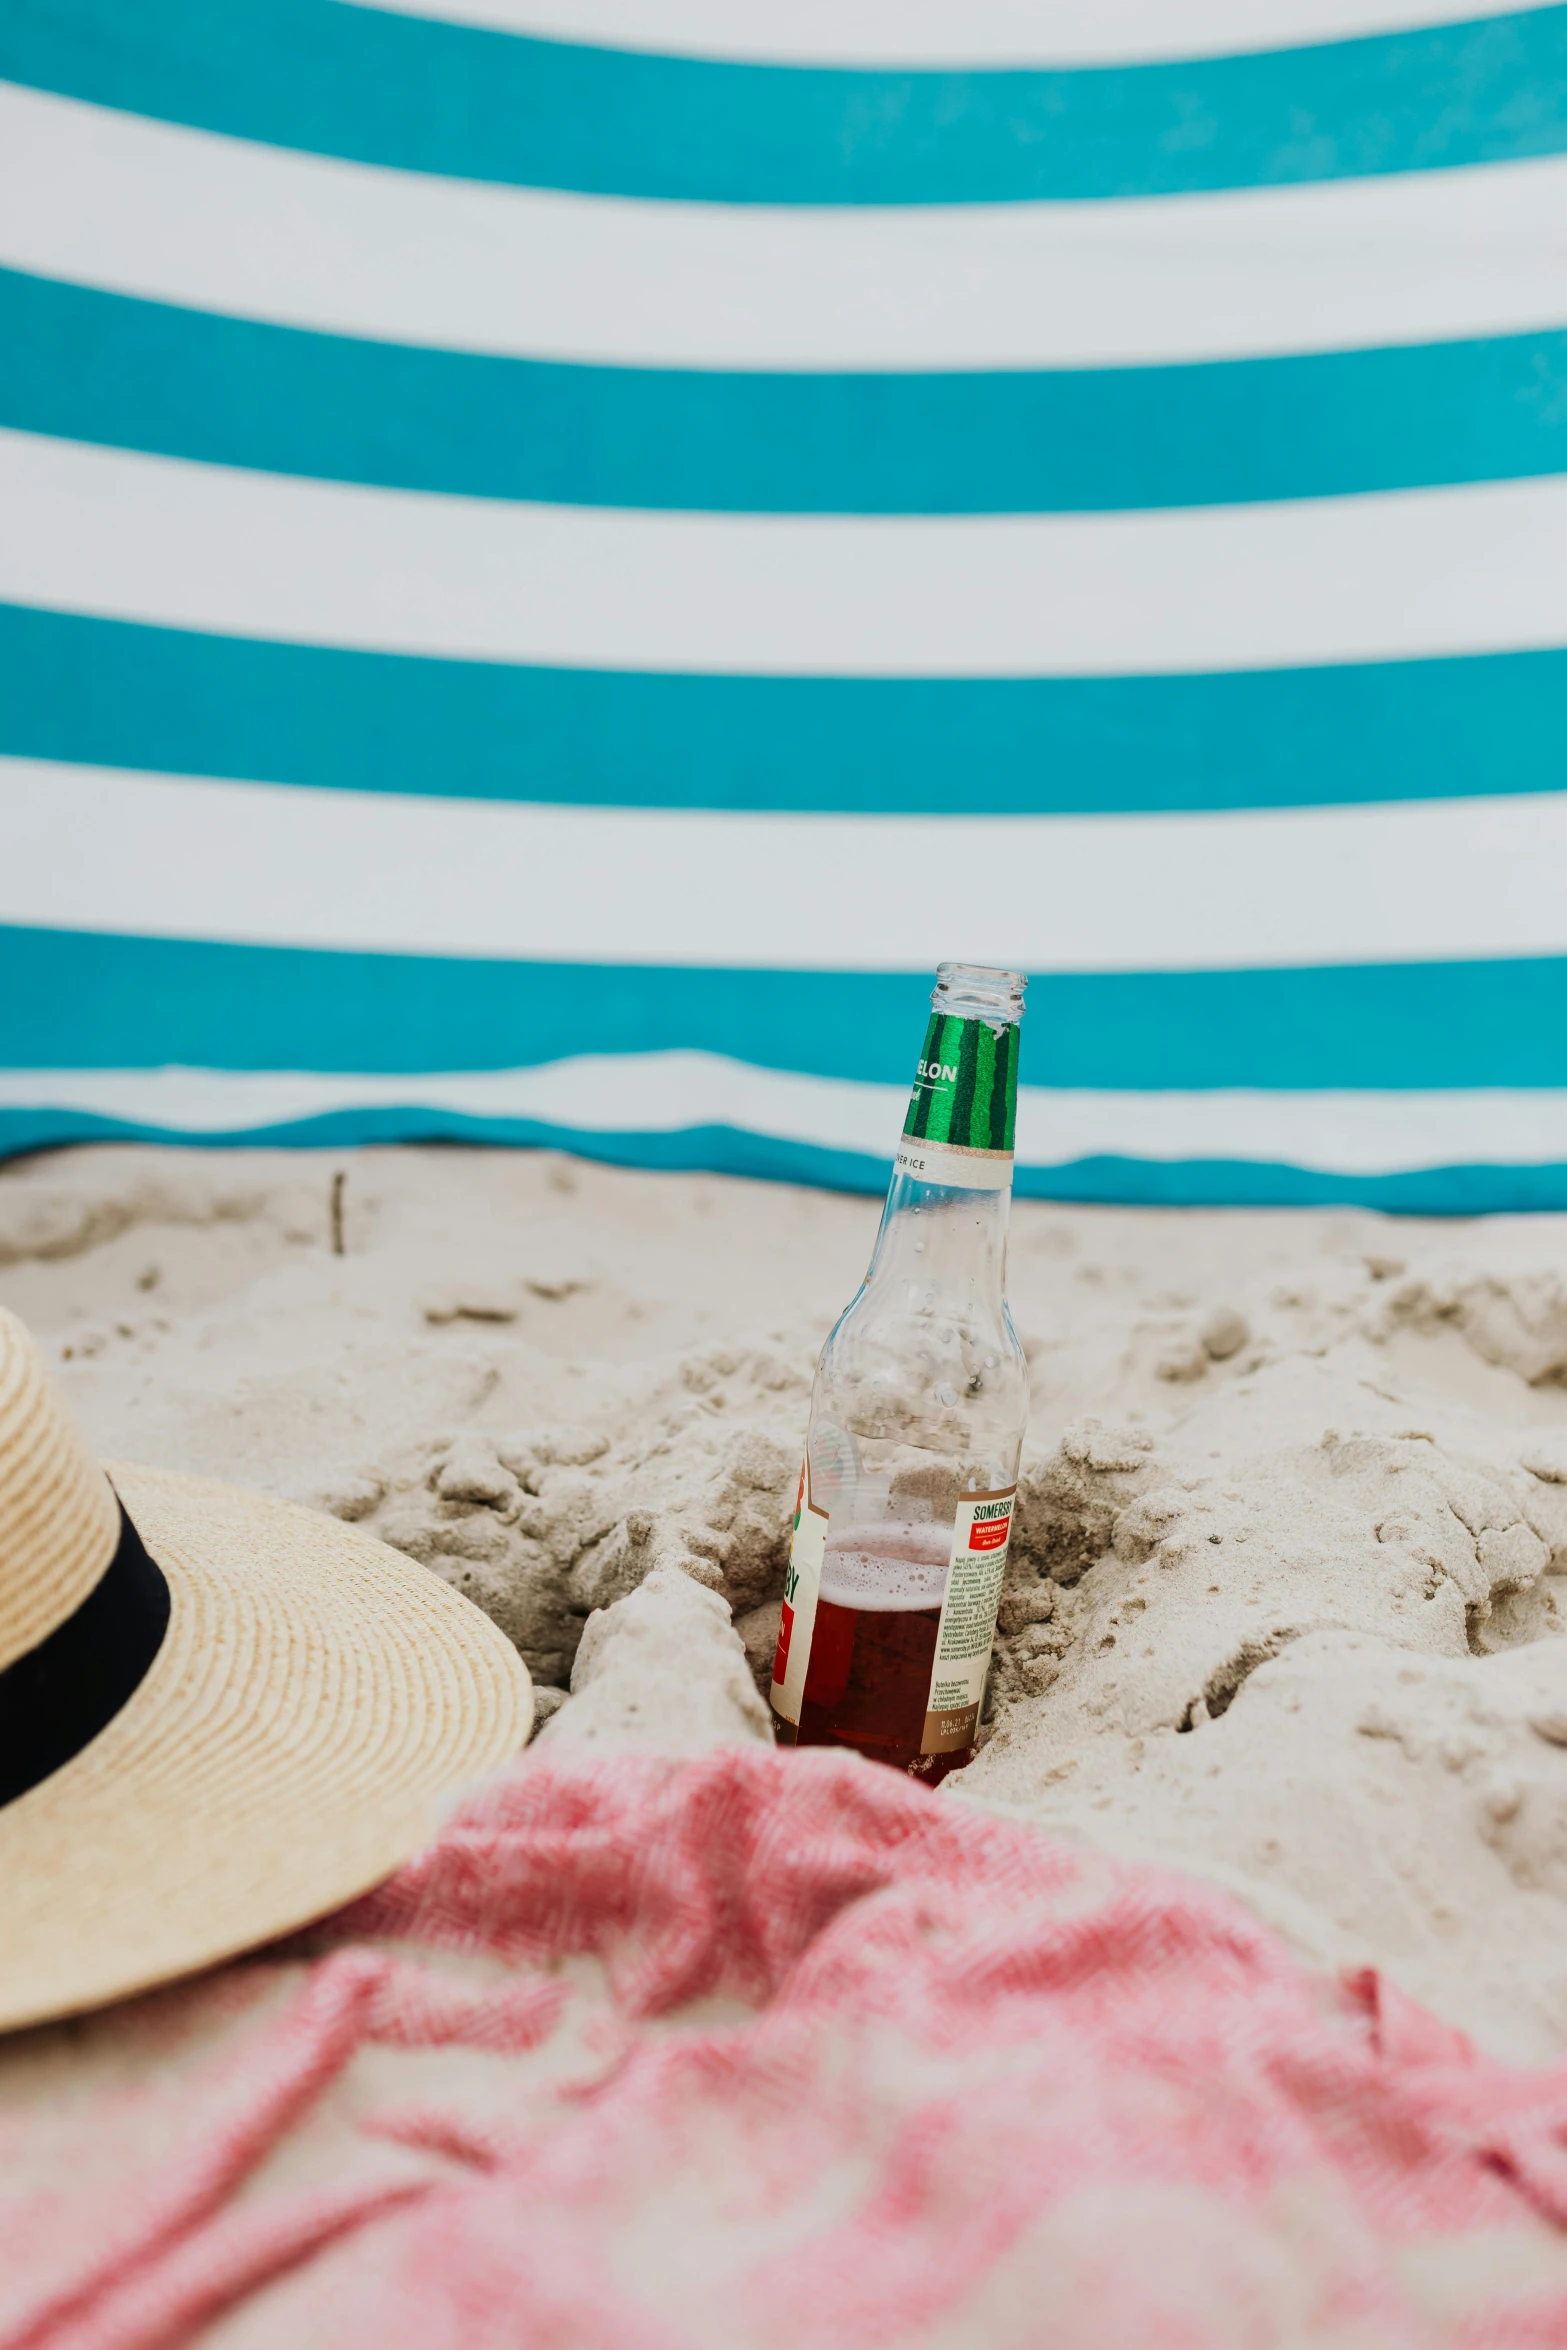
point(724, 1150)
point(708, 1150)
point(1473, 1190)
point(90, 1001)
point(383, 88)
point(182, 383)
point(111, 693)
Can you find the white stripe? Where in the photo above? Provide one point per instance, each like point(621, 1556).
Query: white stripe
point(668, 1093)
point(1474, 569)
point(103, 849)
point(934, 32)
point(150, 209)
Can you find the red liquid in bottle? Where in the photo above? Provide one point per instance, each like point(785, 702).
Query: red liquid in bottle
point(873, 1646)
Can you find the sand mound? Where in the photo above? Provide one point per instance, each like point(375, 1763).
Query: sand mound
point(1291, 1558)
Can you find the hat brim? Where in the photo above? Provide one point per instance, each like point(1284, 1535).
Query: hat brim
point(315, 1695)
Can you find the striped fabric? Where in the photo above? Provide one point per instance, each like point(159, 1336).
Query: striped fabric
point(556, 555)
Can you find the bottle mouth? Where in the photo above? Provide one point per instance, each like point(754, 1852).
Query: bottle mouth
point(973, 991)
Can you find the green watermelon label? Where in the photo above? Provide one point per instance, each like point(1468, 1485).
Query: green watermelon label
point(962, 1106)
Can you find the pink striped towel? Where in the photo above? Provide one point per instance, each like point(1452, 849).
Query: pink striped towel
point(785, 2052)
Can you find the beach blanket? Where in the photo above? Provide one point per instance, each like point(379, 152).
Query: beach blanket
point(560, 554)
point(776, 2051)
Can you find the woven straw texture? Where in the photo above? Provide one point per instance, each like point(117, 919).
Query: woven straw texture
point(314, 1696)
point(58, 1522)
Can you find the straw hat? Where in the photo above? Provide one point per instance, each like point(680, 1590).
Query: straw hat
point(220, 1715)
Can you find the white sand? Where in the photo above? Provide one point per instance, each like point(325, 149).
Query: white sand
point(1283, 1606)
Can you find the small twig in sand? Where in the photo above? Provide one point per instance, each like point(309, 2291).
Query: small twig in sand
point(339, 1181)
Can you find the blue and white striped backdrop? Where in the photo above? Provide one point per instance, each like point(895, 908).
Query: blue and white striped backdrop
point(555, 555)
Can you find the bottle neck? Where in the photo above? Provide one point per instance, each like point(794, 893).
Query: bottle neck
point(945, 1249)
point(962, 1113)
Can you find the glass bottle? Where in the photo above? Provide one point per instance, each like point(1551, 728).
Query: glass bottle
point(917, 1417)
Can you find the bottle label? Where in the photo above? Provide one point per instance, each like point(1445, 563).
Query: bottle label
point(932, 1162)
point(967, 1632)
point(963, 1106)
point(798, 1621)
